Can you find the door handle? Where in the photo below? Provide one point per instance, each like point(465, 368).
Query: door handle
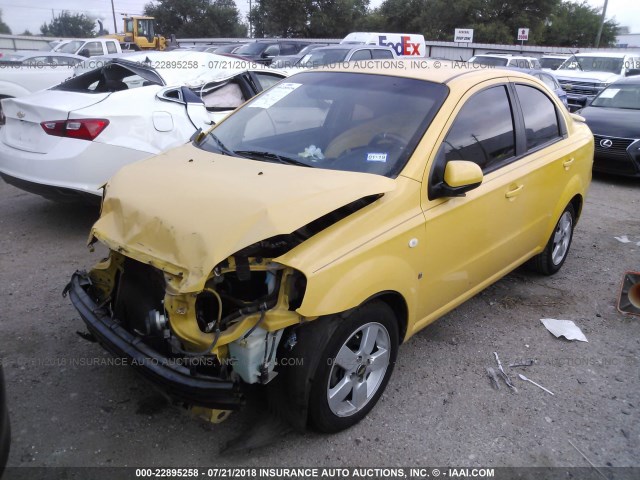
point(567, 163)
point(514, 191)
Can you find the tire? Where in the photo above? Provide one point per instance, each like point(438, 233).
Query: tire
point(352, 372)
point(555, 253)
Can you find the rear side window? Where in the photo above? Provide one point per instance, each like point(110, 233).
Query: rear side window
point(483, 130)
point(540, 116)
point(111, 47)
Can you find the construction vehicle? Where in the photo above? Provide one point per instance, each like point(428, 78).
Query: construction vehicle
point(139, 34)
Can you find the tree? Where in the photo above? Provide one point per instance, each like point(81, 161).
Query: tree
point(4, 28)
point(197, 18)
point(281, 18)
point(574, 24)
point(335, 18)
point(69, 25)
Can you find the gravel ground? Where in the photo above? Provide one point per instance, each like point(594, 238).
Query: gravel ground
point(439, 407)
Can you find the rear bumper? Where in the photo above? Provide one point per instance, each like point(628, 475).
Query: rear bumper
point(72, 166)
point(51, 192)
point(176, 380)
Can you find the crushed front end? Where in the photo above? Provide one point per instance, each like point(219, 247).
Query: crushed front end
point(202, 348)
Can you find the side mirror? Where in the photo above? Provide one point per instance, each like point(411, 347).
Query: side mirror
point(84, 52)
point(460, 176)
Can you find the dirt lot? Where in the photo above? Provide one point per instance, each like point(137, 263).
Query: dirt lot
point(439, 408)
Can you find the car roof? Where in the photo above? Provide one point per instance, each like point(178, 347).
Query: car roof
point(604, 54)
point(20, 55)
point(633, 80)
point(207, 67)
point(426, 69)
point(351, 46)
point(501, 55)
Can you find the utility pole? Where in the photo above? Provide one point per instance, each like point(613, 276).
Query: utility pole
point(250, 21)
point(113, 11)
point(604, 13)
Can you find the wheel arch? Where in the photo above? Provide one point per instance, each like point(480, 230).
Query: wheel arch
point(398, 305)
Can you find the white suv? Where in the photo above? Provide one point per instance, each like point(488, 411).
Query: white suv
point(585, 75)
point(505, 60)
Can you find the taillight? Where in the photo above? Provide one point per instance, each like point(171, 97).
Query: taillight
point(83, 129)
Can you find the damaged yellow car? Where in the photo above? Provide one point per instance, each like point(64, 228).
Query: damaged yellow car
point(301, 240)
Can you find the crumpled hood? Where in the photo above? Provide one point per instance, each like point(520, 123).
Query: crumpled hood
point(187, 210)
point(581, 76)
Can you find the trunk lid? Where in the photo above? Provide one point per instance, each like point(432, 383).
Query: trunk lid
point(24, 115)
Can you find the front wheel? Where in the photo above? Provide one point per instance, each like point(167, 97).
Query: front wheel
point(354, 367)
point(555, 253)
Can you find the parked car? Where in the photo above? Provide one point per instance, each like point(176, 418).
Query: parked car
point(5, 430)
point(65, 142)
point(552, 61)
point(231, 48)
point(549, 80)
point(292, 61)
point(325, 222)
point(24, 72)
point(614, 119)
point(345, 53)
point(505, 60)
point(263, 51)
point(404, 44)
point(89, 47)
point(585, 75)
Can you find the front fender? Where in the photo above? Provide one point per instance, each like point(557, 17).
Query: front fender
point(345, 285)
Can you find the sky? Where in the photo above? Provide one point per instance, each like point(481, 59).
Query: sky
point(31, 14)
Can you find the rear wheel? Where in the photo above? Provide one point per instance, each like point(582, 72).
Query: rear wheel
point(555, 253)
point(354, 367)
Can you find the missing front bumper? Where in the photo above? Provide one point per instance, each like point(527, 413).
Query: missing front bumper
point(176, 380)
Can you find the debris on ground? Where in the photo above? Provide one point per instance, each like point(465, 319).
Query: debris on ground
point(494, 378)
point(564, 328)
point(522, 377)
point(503, 374)
point(522, 363)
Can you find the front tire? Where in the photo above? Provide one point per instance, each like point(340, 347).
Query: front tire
point(555, 253)
point(354, 367)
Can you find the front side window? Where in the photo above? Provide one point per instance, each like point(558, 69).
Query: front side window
point(483, 131)
point(361, 55)
point(95, 48)
point(332, 120)
point(540, 116)
point(381, 54)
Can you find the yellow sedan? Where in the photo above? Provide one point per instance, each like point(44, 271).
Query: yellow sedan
point(301, 240)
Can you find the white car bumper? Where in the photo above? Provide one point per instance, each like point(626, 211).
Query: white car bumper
point(72, 167)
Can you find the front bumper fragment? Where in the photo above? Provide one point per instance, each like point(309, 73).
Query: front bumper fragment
point(177, 380)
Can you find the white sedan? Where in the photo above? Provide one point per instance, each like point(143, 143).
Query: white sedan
point(67, 141)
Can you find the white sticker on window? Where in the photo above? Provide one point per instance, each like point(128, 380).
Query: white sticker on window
point(274, 95)
point(376, 157)
point(609, 93)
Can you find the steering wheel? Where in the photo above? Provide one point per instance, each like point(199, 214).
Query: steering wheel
point(387, 139)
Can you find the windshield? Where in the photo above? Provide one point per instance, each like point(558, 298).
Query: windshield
point(332, 120)
point(255, 48)
point(324, 57)
point(593, 64)
point(71, 47)
point(551, 63)
point(619, 96)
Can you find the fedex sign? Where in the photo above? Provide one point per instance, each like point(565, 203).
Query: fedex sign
point(404, 45)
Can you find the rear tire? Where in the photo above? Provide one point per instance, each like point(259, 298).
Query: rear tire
point(354, 367)
point(551, 259)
